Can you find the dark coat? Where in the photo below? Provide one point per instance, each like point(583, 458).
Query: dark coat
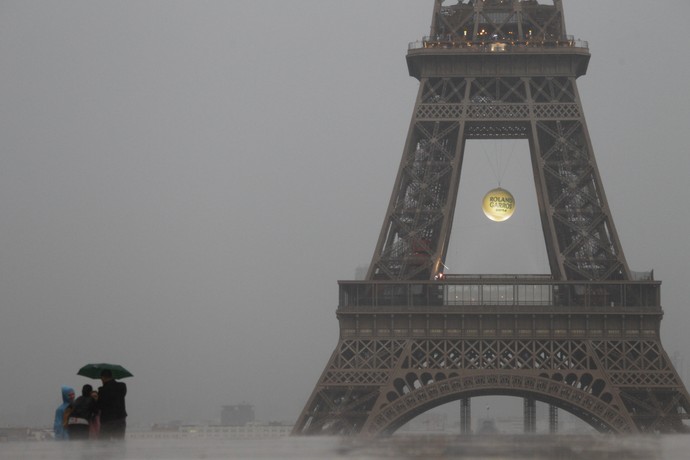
point(111, 401)
point(83, 407)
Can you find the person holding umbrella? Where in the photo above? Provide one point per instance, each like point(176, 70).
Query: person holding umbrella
point(111, 405)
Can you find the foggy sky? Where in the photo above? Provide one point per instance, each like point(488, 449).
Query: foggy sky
point(183, 183)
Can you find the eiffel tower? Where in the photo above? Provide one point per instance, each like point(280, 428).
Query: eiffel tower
point(584, 338)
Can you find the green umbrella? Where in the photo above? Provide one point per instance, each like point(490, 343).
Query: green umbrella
point(93, 371)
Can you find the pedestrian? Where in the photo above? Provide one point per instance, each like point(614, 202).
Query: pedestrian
point(58, 424)
point(80, 414)
point(111, 407)
point(95, 425)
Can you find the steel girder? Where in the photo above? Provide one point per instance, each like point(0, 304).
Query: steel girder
point(518, 20)
point(581, 240)
point(374, 386)
point(497, 70)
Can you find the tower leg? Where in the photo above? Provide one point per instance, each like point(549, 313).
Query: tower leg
point(465, 416)
point(530, 414)
point(553, 419)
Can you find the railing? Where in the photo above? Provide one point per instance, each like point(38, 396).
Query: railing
point(496, 45)
point(513, 291)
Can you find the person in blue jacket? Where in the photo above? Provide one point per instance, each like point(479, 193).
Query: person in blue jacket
point(58, 426)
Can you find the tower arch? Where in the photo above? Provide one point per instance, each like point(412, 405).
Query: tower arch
point(598, 410)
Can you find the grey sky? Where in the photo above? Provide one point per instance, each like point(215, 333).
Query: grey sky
point(182, 184)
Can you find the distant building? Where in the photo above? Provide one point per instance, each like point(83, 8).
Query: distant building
point(250, 431)
point(165, 427)
point(237, 415)
point(24, 434)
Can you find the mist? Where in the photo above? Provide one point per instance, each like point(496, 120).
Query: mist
point(183, 183)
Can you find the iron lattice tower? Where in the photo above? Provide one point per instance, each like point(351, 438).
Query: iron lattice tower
point(584, 338)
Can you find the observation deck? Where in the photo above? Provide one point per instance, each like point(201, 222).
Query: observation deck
point(500, 306)
point(498, 45)
point(522, 292)
point(556, 56)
